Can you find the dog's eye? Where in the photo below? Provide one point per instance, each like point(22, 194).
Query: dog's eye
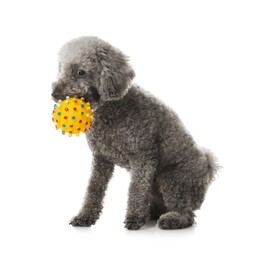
point(81, 72)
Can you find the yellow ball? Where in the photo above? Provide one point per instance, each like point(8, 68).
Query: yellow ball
point(72, 115)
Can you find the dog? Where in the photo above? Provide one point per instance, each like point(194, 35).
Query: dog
point(170, 174)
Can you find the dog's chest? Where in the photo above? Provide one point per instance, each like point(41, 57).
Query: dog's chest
point(110, 140)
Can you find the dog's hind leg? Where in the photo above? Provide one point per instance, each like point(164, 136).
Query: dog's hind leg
point(177, 216)
point(179, 200)
point(183, 187)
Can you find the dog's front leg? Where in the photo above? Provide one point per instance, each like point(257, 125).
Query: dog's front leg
point(139, 192)
point(102, 171)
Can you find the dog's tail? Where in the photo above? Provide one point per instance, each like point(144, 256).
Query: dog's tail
point(213, 165)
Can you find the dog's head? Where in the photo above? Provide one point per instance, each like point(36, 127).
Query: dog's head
point(91, 68)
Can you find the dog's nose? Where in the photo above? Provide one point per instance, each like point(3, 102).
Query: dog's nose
point(56, 95)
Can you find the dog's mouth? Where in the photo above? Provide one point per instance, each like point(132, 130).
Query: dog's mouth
point(92, 95)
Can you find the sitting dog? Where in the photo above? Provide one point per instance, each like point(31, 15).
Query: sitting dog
point(132, 129)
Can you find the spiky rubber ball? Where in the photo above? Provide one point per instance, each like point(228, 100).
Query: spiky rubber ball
point(72, 115)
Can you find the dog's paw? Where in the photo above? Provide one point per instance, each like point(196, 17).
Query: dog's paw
point(134, 222)
point(82, 220)
point(174, 220)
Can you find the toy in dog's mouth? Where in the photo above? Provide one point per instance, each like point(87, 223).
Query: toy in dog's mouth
point(72, 115)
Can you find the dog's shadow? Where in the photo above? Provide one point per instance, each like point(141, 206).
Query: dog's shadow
point(152, 226)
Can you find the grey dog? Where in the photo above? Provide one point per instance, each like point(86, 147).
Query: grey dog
point(170, 174)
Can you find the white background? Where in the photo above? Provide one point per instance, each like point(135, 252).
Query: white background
point(205, 59)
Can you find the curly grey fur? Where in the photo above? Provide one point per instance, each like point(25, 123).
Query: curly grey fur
point(132, 129)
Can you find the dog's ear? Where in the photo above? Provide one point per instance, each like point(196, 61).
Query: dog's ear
point(116, 74)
